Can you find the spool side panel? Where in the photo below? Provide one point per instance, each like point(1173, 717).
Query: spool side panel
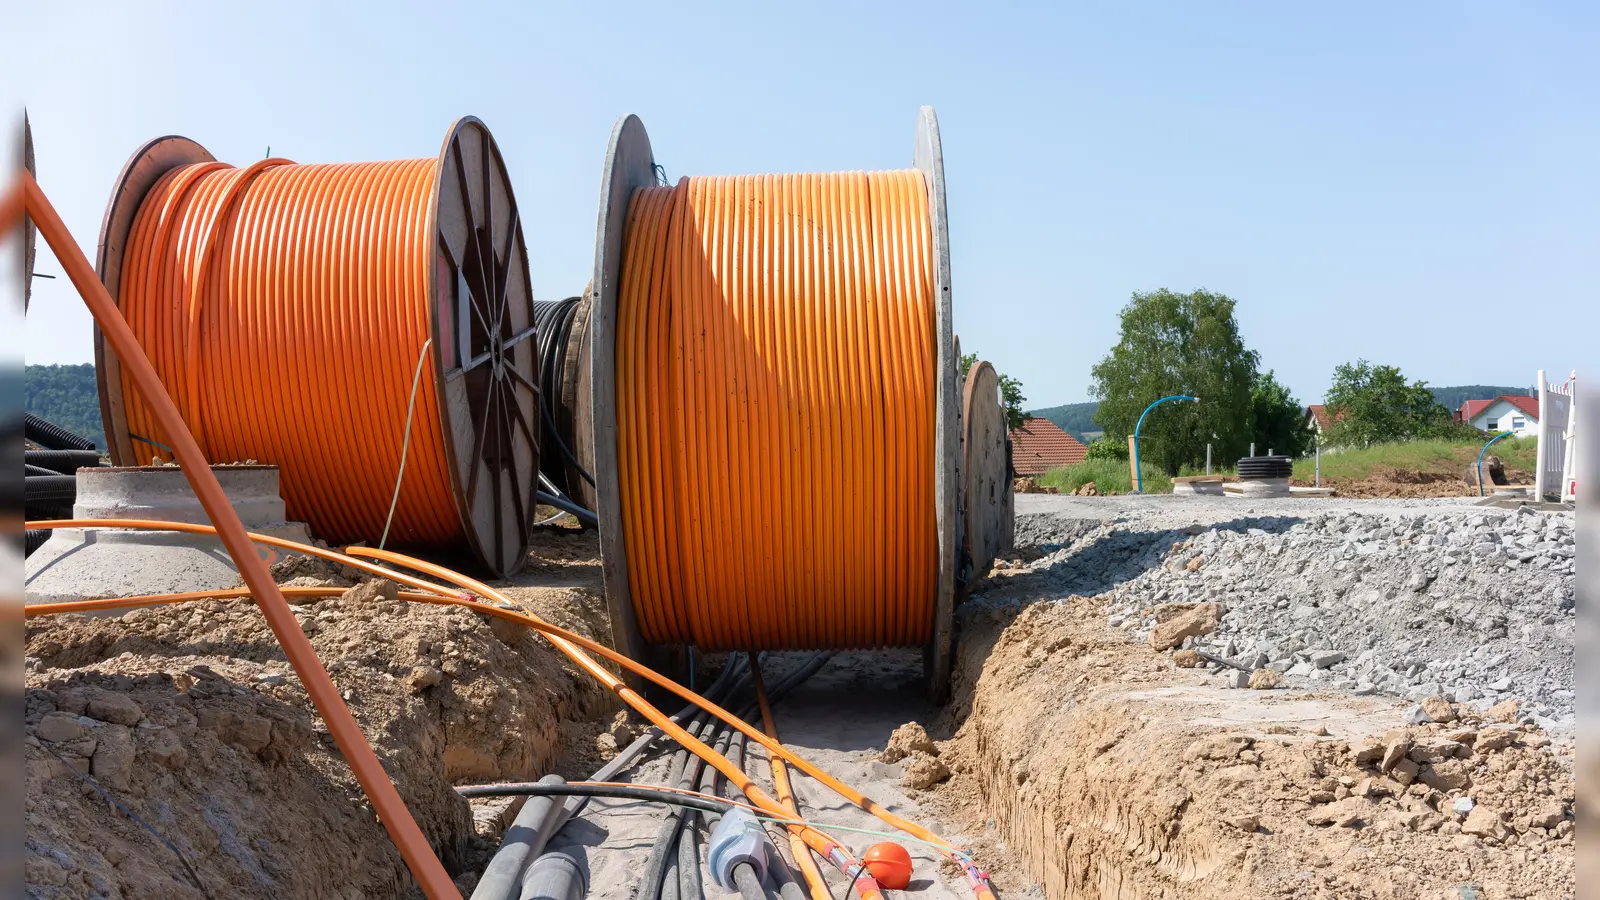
point(577, 406)
point(929, 160)
point(143, 169)
point(485, 375)
point(986, 493)
point(30, 234)
point(629, 165)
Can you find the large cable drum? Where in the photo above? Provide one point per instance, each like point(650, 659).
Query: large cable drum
point(360, 326)
point(776, 407)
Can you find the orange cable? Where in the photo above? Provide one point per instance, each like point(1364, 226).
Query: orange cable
point(780, 785)
point(574, 646)
point(775, 411)
point(397, 820)
point(276, 295)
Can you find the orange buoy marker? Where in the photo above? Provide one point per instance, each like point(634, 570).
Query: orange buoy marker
point(890, 864)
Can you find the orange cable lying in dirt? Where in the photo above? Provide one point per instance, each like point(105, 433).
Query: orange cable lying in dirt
point(392, 811)
point(776, 411)
point(574, 646)
point(780, 785)
point(279, 294)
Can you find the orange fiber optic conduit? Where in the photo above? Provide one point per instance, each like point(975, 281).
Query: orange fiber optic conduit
point(574, 646)
point(815, 886)
point(775, 411)
point(278, 294)
point(396, 818)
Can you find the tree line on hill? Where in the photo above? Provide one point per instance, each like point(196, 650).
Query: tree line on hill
point(66, 396)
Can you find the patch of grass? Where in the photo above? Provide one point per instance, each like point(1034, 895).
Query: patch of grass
point(1445, 457)
point(1108, 475)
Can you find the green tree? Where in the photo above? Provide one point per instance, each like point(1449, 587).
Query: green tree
point(1010, 392)
point(1280, 420)
point(1178, 344)
point(1375, 404)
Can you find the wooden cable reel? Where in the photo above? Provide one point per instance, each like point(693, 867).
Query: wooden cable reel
point(988, 504)
point(630, 165)
point(481, 359)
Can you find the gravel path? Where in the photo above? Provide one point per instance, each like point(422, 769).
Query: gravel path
point(1409, 598)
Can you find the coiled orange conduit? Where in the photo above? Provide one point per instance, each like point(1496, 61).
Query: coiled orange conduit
point(278, 294)
point(775, 391)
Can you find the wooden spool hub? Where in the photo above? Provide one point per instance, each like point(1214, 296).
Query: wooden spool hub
point(491, 446)
point(630, 165)
point(988, 508)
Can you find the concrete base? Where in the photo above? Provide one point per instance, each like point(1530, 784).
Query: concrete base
point(1210, 485)
point(80, 563)
point(1259, 487)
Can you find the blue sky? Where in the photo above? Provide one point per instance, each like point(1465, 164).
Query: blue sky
point(1410, 183)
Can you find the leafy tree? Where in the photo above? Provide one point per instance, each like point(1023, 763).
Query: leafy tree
point(1280, 422)
point(1375, 404)
point(1105, 448)
point(1010, 392)
point(1178, 344)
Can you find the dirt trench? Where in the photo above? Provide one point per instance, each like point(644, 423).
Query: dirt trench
point(1109, 774)
point(191, 717)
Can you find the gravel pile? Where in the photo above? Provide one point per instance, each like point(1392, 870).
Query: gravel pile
point(1472, 604)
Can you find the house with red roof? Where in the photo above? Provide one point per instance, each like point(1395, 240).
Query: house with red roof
point(1040, 445)
point(1318, 419)
point(1507, 412)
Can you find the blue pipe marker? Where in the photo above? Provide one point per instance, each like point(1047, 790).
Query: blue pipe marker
point(1138, 476)
point(1486, 450)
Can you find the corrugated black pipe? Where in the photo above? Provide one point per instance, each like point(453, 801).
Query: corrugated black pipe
point(51, 436)
point(50, 488)
point(65, 462)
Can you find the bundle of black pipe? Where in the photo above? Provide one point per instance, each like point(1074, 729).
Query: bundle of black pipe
point(1254, 467)
point(52, 437)
point(561, 326)
point(50, 485)
point(673, 870)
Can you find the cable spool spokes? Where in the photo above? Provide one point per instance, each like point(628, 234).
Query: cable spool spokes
point(302, 344)
point(487, 371)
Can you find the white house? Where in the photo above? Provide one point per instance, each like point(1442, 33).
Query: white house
point(1519, 415)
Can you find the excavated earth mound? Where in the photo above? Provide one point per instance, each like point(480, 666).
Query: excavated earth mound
point(191, 718)
point(1108, 773)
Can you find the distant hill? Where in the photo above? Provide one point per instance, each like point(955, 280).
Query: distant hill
point(1076, 419)
point(66, 396)
point(1453, 397)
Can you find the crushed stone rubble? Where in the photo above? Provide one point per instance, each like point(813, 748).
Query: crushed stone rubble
point(1471, 604)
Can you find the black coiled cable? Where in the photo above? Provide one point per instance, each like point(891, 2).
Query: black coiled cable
point(554, 322)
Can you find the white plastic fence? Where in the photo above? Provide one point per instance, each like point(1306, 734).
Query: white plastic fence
point(1555, 438)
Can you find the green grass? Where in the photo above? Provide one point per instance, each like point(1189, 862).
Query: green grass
point(1442, 457)
point(1445, 457)
point(1108, 475)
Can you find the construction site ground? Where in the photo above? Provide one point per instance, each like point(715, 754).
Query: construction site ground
point(1075, 760)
